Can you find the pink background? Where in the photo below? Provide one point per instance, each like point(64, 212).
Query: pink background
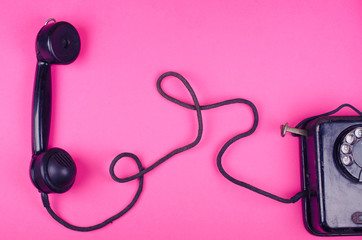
point(293, 59)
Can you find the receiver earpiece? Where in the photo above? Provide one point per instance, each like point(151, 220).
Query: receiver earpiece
point(58, 43)
point(51, 170)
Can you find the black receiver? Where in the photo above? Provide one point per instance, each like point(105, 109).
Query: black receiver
point(52, 170)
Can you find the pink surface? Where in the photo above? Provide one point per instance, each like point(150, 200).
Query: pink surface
point(293, 59)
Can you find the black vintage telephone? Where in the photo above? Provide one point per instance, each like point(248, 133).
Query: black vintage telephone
point(331, 149)
point(331, 157)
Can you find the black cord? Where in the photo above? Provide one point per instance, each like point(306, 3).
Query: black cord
point(142, 171)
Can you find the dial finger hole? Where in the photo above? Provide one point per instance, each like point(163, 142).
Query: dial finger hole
point(345, 148)
point(346, 160)
point(350, 138)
